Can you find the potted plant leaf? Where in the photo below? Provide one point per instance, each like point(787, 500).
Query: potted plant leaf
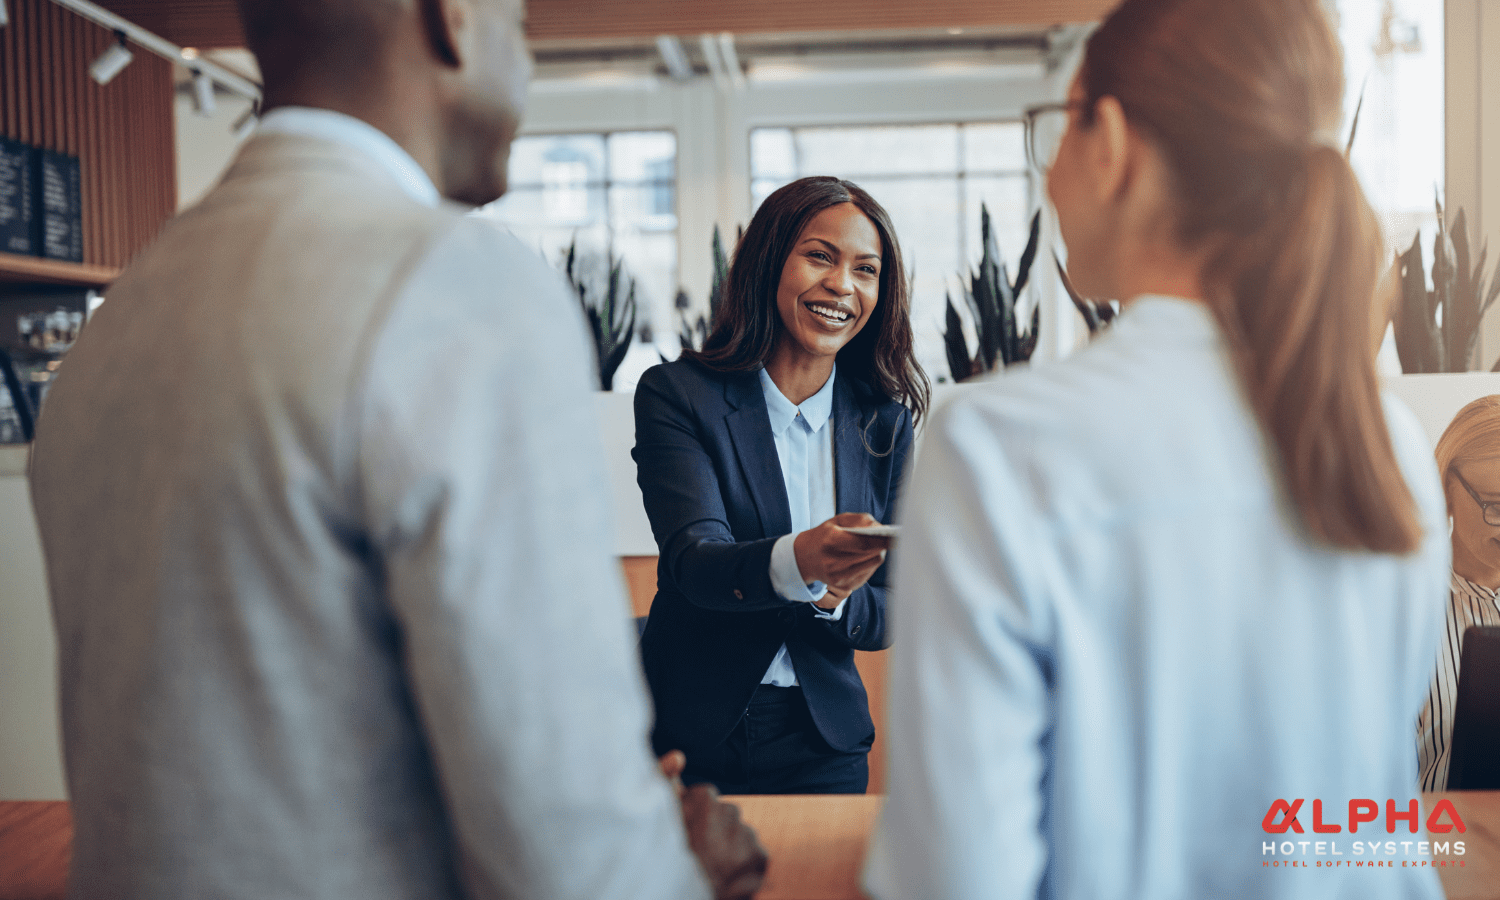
point(1097, 314)
point(991, 298)
point(1437, 329)
point(610, 310)
point(692, 334)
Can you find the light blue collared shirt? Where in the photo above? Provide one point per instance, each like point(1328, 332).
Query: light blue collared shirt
point(327, 125)
point(804, 446)
point(1118, 643)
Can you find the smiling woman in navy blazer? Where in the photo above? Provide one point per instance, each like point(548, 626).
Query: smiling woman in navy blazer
point(753, 455)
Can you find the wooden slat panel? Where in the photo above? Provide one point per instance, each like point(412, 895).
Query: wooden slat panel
point(215, 23)
point(121, 132)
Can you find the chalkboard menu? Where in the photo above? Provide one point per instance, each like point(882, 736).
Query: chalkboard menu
point(18, 218)
point(61, 206)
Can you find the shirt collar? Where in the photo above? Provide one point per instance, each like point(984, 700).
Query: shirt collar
point(815, 409)
point(1477, 590)
point(356, 134)
point(1189, 320)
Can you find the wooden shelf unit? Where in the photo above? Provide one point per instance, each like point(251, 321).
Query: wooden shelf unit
point(15, 269)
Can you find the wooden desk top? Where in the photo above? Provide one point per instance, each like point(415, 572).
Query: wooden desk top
point(1479, 879)
point(35, 841)
point(816, 844)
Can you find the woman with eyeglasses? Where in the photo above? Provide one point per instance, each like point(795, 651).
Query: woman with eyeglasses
point(1197, 568)
point(1468, 459)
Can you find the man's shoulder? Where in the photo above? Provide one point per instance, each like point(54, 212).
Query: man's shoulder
point(477, 269)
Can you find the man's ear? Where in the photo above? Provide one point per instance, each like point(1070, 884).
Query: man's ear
point(1111, 148)
point(442, 19)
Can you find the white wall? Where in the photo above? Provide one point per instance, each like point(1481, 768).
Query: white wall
point(30, 758)
point(1472, 44)
point(205, 145)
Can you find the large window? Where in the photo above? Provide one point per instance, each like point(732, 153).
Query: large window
point(1393, 51)
point(932, 179)
point(614, 193)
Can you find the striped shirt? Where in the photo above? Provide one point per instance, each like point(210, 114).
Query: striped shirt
point(1468, 604)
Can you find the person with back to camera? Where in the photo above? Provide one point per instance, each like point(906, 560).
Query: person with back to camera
point(1198, 567)
point(336, 617)
point(800, 405)
point(1468, 461)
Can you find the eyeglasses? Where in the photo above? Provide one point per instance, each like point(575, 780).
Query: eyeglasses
point(1046, 123)
point(1490, 511)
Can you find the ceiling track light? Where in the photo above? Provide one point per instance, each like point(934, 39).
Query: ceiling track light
point(672, 55)
point(246, 122)
point(710, 47)
point(731, 59)
point(112, 61)
point(203, 94)
point(141, 39)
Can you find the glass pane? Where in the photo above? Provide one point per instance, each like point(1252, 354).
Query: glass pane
point(570, 204)
point(761, 188)
point(651, 259)
point(995, 148)
point(925, 212)
point(651, 207)
point(556, 159)
point(880, 150)
point(772, 155)
point(1394, 48)
point(643, 156)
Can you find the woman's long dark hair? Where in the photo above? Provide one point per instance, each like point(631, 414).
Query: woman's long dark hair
point(748, 324)
point(1242, 97)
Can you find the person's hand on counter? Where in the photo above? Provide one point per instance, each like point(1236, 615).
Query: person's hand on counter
point(726, 847)
point(841, 560)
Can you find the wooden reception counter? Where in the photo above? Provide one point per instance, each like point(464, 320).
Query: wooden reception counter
point(816, 844)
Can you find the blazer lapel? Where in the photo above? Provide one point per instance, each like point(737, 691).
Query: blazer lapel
point(851, 470)
point(750, 430)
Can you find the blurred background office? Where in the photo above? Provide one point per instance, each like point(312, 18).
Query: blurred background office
point(638, 144)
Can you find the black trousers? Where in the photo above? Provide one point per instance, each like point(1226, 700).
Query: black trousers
point(776, 749)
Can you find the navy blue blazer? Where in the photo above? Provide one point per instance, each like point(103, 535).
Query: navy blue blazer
point(711, 479)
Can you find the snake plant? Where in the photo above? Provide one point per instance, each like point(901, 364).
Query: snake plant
point(692, 334)
point(1436, 329)
point(611, 312)
point(991, 298)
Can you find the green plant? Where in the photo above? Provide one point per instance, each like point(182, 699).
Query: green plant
point(611, 313)
point(991, 297)
point(1097, 314)
point(1436, 329)
point(693, 333)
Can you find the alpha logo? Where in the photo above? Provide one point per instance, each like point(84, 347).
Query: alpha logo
point(1283, 815)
